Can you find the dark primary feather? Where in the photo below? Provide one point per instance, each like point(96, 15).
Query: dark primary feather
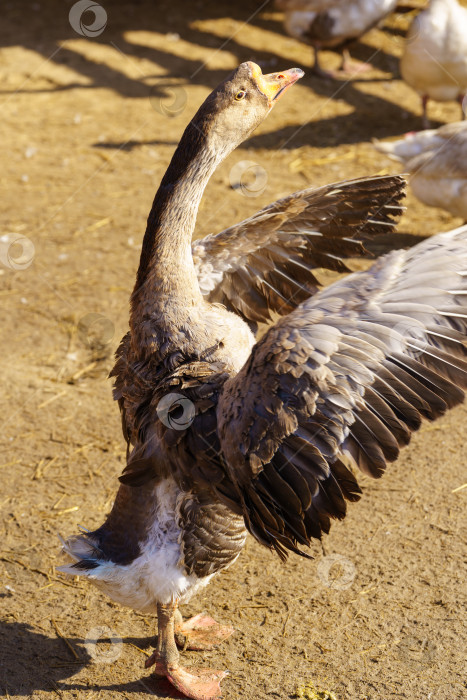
point(265, 264)
point(212, 535)
point(349, 374)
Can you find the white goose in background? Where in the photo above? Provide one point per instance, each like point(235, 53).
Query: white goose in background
point(434, 62)
point(437, 162)
point(330, 24)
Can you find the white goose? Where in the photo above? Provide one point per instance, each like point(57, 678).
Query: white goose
point(434, 62)
point(329, 24)
point(437, 162)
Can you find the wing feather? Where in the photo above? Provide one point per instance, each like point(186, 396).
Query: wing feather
point(265, 264)
point(350, 373)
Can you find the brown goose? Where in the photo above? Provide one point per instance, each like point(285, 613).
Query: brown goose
point(225, 435)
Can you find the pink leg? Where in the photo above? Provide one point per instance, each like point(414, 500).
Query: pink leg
point(201, 684)
point(316, 67)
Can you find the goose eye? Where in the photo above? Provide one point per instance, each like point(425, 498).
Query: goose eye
point(240, 95)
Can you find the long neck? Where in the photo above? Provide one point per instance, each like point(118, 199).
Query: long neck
point(166, 275)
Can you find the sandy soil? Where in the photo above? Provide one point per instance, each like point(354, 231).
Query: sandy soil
point(88, 126)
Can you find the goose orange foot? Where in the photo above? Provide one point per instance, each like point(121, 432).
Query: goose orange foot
point(202, 684)
point(349, 67)
point(352, 67)
point(200, 632)
point(198, 684)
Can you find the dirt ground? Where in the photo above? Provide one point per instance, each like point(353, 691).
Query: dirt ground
point(88, 125)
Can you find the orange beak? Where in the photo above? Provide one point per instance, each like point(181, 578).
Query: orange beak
point(273, 85)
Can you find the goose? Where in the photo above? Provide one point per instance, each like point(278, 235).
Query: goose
point(329, 24)
point(434, 62)
point(227, 434)
point(437, 162)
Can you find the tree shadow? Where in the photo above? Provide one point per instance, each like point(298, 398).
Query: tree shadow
point(131, 145)
point(128, 27)
point(50, 33)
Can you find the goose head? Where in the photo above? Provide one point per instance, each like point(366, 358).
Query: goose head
point(239, 104)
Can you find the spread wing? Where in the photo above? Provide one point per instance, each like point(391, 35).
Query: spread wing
point(266, 263)
point(352, 371)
